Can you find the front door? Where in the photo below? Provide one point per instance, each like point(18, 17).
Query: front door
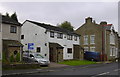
point(51, 54)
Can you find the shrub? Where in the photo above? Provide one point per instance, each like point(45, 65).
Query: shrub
point(18, 57)
point(12, 58)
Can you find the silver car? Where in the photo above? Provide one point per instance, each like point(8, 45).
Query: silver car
point(36, 57)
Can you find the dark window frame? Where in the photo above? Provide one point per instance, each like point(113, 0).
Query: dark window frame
point(60, 35)
point(52, 34)
point(75, 38)
point(13, 29)
point(69, 37)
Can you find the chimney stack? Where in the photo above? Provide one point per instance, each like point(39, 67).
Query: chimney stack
point(103, 23)
point(88, 20)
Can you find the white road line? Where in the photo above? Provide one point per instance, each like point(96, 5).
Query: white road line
point(101, 74)
point(104, 73)
point(116, 69)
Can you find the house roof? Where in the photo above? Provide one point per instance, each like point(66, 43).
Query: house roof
point(8, 20)
point(50, 27)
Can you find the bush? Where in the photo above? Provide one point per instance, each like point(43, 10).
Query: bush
point(18, 57)
point(12, 58)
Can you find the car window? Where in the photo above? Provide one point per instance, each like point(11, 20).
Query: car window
point(31, 55)
point(38, 56)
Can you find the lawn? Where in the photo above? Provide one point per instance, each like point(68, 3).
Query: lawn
point(77, 62)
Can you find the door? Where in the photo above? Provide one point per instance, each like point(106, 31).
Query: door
point(51, 58)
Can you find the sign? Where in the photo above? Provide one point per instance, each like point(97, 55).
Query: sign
point(30, 46)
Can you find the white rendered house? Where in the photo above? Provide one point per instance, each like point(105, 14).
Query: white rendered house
point(54, 43)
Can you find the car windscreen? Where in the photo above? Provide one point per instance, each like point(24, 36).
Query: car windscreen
point(38, 56)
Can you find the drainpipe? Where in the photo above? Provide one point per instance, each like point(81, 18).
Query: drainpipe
point(103, 43)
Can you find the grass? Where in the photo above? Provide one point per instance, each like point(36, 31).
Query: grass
point(77, 62)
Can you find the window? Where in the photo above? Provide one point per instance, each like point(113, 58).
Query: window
point(22, 36)
point(69, 50)
point(69, 37)
point(112, 51)
point(86, 49)
point(0, 27)
point(86, 40)
point(13, 29)
point(92, 39)
point(92, 49)
point(75, 38)
point(60, 35)
point(38, 49)
point(52, 34)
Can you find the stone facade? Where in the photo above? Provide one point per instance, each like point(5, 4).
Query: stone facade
point(98, 37)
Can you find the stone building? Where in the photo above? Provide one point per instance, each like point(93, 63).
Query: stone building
point(99, 38)
point(10, 32)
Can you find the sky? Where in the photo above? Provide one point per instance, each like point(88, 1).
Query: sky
point(57, 12)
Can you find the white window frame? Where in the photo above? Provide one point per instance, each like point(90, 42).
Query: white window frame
point(85, 40)
point(112, 51)
point(92, 40)
point(92, 48)
point(86, 48)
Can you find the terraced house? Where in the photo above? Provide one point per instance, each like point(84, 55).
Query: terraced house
point(54, 43)
point(99, 38)
point(10, 32)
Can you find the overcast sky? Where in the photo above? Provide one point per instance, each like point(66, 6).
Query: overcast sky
point(58, 12)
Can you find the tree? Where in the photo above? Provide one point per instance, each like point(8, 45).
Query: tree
point(66, 25)
point(14, 16)
point(7, 14)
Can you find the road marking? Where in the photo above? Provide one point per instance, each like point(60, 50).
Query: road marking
point(104, 73)
point(116, 69)
point(101, 74)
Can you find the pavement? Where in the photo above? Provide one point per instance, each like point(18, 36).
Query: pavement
point(52, 67)
point(29, 71)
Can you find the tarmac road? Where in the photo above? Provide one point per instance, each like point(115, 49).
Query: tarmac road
point(97, 70)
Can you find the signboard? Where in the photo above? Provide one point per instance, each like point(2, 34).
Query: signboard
point(30, 46)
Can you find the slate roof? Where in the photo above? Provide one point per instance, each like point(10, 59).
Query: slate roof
point(8, 20)
point(54, 28)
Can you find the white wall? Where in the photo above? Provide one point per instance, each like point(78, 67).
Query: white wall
point(29, 30)
point(112, 38)
point(65, 43)
point(0, 41)
point(11, 36)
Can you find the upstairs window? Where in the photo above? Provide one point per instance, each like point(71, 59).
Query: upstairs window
point(52, 34)
point(13, 29)
point(60, 35)
point(69, 37)
point(92, 39)
point(75, 38)
point(86, 40)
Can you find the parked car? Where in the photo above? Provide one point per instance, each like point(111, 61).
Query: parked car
point(35, 58)
point(92, 56)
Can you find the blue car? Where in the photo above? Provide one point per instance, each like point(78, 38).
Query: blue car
point(92, 56)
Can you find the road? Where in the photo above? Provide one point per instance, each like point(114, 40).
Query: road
point(91, 71)
point(104, 69)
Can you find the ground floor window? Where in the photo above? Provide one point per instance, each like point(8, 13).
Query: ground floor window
point(86, 49)
point(112, 51)
point(92, 49)
point(69, 50)
point(38, 49)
